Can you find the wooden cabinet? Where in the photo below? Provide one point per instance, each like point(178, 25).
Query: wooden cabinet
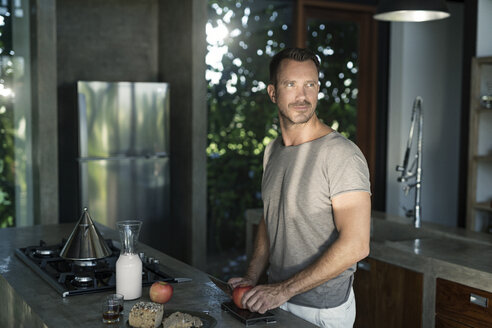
point(387, 295)
point(443, 322)
point(479, 194)
point(462, 306)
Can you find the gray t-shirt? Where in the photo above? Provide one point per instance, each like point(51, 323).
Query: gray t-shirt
point(297, 188)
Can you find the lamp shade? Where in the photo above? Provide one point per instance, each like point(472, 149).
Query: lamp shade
point(411, 10)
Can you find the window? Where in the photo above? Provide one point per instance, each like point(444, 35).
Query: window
point(15, 105)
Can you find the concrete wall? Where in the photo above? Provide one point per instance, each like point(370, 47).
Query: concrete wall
point(154, 41)
point(426, 60)
point(484, 27)
point(182, 49)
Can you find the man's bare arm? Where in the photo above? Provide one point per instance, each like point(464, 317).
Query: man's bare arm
point(352, 213)
point(259, 259)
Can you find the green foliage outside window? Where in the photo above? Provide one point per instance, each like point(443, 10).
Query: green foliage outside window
point(336, 44)
point(7, 186)
point(7, 147)
point(241, 118)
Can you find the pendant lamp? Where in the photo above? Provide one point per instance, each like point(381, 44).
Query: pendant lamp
point(411, 10)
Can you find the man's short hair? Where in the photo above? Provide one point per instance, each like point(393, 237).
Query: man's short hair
point(297, 54)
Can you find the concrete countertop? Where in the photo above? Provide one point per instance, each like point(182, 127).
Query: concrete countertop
point(29, 301)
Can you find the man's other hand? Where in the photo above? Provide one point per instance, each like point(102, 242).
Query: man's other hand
point(265, 297)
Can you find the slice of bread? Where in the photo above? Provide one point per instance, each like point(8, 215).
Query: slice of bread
point(181, 320)
point(146, 315)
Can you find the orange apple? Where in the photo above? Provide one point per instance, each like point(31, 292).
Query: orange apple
point(237, 295)
point(160, 292)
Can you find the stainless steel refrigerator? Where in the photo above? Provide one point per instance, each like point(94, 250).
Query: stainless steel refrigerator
point(124, 155)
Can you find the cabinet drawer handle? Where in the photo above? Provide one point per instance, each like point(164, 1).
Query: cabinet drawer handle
point(478, 300)
point(366, 266)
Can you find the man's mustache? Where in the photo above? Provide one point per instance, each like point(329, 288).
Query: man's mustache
point(303, 103)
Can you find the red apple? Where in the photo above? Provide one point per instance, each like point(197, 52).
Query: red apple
point(160, 292)
point(237, 295)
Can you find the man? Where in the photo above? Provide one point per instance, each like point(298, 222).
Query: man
point(316, 197)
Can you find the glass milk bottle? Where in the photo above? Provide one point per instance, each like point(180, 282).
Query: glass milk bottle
point(129, 265)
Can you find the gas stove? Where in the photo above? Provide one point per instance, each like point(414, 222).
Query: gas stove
point(73, 277)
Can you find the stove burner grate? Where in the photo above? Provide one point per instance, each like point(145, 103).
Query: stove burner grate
point(70, 277)
point(82, 281)
point(43, 252)
point(84, 263)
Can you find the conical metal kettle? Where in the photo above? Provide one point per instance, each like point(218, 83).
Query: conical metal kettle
point(85, 241)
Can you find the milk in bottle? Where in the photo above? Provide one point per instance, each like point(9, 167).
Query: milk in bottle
point(129, 265)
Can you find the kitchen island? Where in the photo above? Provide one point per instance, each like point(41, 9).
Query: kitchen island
point(27, 300)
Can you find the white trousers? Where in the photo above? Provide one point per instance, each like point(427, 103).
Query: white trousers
point(342, 316)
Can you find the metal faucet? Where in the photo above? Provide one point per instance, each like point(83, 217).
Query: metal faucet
point(412, 172)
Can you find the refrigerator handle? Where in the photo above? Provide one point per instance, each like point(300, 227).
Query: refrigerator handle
point(160, 154)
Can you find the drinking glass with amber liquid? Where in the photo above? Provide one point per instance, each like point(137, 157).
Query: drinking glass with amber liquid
point(118, 298)
point(110, 311)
